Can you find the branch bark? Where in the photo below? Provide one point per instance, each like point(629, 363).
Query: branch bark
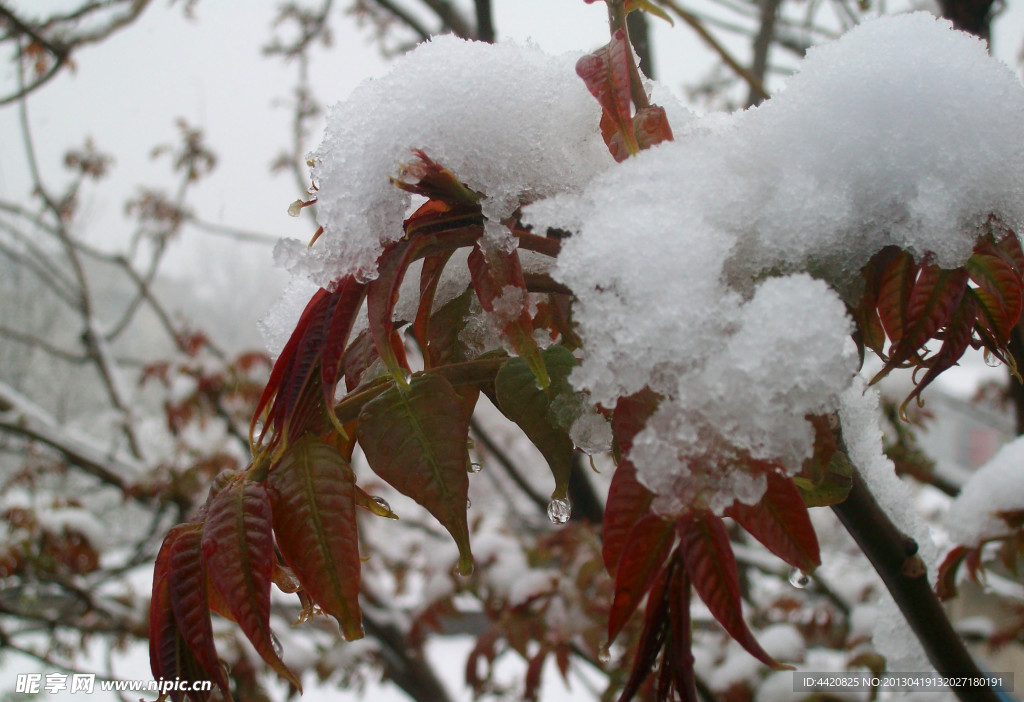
point(894, 556)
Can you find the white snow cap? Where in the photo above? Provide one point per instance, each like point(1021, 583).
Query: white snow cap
point(508, 120)
point(705, 268)
point(903, 132)
point(998, 486)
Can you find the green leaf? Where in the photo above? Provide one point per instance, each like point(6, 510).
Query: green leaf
point(831, 487)
point(525, 403)
point(415, 439)
point(314, 514)
point(650, 8)
point(238, 548)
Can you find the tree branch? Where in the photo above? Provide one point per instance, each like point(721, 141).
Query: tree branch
point(894, 556)
point(450, 18)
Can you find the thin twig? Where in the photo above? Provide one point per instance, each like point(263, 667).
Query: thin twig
point(694, 22)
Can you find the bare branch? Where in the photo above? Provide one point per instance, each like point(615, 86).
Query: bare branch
point(451, 19)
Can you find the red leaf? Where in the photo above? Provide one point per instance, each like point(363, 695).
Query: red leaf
point(631, 415)
point(651, 126)
point(382, 294)
point(652, 638)
point(314, 514)
point(189, 601)
point(238, 547)
point(628, 501)
point(643, 555)
point(430, 275)
point(500, 287)
point(937, 293)
point(346, 302)
point(780, 521)
point(999, 289)
point(958, 335)
point(895, 283)
point(606, 74)
point(169, 655)
point(415, 439)
point(284, 363)
point(945, 584)
point(711, 565)
point(433, 181)
point(679, 657)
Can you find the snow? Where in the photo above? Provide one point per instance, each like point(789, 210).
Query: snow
point(998, 486)
point(509, 120)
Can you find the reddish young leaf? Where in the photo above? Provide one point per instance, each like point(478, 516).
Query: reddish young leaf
point(430, 276)
point(999, 289)
point(958, 334)
point(500, 287)
point(945, 584)
point(314, 514)
point(284, 363)
point(651, 126)
point(190, 602)
point(896, 275)
point(415, 439)
point(169, 655)
point(780, 522)
point(631, 415)
point(521, 400)
point(238, 547)
point(679, 653)
point(534, 668)
point(628, 501)
point(704, 544)
point(937, 293)
point(433, 181)
point(381, 296)
point(346, 302)
point(643, 556)
point(652, 637)
point(606, 74)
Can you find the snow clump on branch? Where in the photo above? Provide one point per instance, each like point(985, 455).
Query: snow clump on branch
point(714, 269)
point(510, 121)
point(902, 132)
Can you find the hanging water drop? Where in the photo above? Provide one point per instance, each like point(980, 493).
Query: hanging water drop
point(277, 645)
point(604, 654)
point(474, 467)
point(799, 579)
point(990, 359)
point(469, 503)
point(382, 503)
point(559, 511)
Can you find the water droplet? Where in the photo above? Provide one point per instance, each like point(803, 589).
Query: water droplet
point(277, 645)
point(382, 503)
point(559, 511)
point(799, 579)
point(990, 359)
point(469, 503)
point(604, 654)
point(295, 208)
point(474, 467)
